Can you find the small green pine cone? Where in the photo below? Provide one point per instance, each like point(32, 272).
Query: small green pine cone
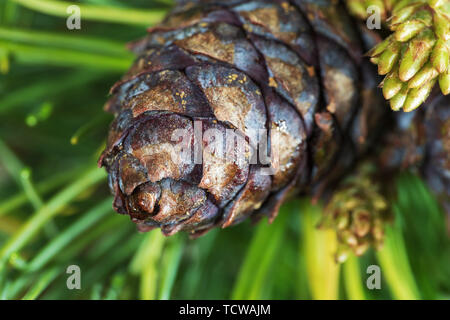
point(416, 56)
point(357, 212)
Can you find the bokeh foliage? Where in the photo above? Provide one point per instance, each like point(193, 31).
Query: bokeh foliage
point(55, 209)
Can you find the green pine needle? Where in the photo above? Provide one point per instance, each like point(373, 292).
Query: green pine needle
point(97, 13)
point(48, 211)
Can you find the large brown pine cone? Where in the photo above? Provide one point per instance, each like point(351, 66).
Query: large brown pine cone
point(291, 69)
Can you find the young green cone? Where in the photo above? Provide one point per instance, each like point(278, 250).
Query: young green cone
point(357, 211)
point(416, 54)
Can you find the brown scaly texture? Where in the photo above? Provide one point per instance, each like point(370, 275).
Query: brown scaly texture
point(292, 67)
point(421, 140)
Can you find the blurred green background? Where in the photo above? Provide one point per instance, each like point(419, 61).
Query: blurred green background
point(55, 209)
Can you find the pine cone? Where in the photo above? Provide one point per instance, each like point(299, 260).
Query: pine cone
point(291, 71)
